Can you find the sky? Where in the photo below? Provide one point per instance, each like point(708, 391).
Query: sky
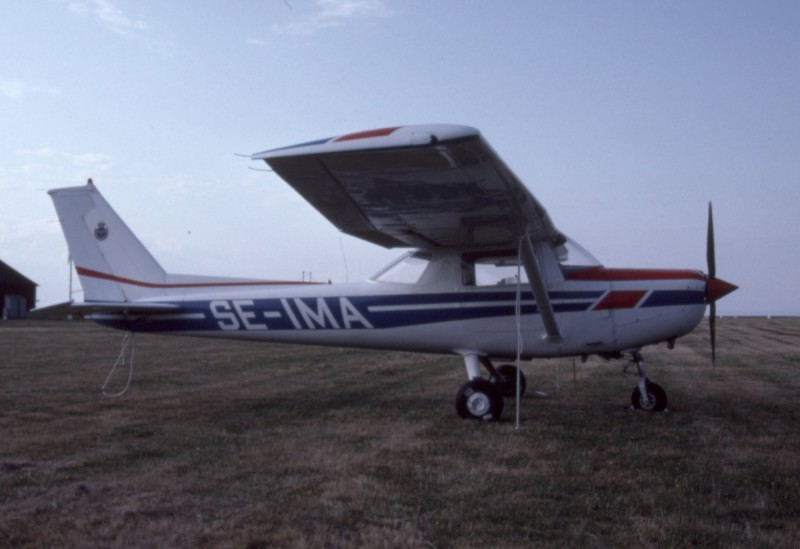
point(624, 118)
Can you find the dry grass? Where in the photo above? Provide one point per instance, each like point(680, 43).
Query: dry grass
point(245, 445)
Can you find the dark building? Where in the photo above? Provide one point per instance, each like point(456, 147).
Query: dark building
point(17, 293)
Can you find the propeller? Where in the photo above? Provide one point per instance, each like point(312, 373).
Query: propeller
point(715, 287)
point(711, 260)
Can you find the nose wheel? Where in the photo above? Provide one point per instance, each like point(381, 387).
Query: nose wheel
point(647, 395)
point(656, 400)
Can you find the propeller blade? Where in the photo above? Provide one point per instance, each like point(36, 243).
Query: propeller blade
point(711, 260)
point(712, 329)
point(715, 288)
point(710, 252)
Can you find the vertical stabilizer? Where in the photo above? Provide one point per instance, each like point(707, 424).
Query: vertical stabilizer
point(112, 264)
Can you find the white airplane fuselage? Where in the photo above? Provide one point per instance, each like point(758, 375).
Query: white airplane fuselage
point(600, 311)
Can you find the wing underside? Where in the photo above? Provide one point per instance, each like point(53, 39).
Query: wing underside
point(415, 186)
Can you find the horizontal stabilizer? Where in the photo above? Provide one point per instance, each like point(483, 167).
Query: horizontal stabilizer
point(125, 307)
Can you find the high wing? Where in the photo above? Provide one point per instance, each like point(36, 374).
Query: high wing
point(415, 186)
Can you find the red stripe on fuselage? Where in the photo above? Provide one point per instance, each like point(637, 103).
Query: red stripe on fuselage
point(621, 299)
point(603, 274)
point(369, 133)
point(105, 276)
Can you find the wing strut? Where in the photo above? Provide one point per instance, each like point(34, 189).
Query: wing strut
point(539, 291)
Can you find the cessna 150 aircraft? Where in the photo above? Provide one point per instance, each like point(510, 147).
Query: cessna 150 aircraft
point(489, 276)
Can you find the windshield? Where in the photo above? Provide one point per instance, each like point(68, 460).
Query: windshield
point(571, 254)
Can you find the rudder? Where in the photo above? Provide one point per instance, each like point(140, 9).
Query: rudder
point(111, 262)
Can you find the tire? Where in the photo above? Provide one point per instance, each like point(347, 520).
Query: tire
point(479, 399)
point(509, 388)
point(656, 395)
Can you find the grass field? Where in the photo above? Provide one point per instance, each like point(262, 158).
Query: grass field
point(225, 444)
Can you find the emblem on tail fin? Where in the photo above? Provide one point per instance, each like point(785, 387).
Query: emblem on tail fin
point(101, 231)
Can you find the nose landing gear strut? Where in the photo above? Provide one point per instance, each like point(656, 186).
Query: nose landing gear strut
point(646, 395)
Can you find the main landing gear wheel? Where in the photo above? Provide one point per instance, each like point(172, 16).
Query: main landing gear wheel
point(479, 399)
point(656, 400)
point(508, 387)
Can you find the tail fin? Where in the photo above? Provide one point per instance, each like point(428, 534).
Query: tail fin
point(112, 264)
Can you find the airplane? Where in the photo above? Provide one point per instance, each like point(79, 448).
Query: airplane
point(486, 275)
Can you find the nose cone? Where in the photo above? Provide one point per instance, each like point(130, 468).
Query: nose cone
point(717, 288)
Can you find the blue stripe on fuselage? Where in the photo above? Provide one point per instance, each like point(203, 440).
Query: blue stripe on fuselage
point(368, 312)
point(356, 312)
point(667, 298)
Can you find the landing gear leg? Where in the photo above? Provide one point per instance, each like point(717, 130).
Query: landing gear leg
point(646, 395)
point(478, 398)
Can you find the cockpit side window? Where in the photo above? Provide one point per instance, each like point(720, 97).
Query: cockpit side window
point(493, 268)
point(408, 269)
point(503, 267)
